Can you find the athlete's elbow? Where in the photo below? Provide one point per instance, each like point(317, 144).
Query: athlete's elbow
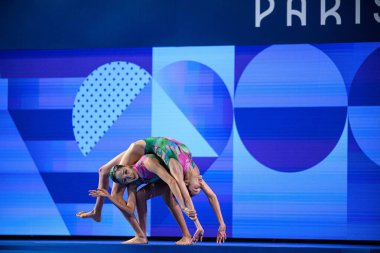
point(103, 171)
point(212, 197)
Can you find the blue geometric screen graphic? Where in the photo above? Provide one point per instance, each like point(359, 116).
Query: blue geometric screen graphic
point(103, 97)
point(287, 136)
point(290, 107)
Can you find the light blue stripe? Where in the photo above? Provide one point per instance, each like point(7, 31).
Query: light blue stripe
point(365, 125)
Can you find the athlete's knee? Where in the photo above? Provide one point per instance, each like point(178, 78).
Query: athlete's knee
point(136, 147)
point(130, 148)
point(168, 194)
point(168, 198)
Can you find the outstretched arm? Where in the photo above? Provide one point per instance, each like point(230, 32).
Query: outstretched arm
point(213, 200)
point(127, 208)
point(176, 171)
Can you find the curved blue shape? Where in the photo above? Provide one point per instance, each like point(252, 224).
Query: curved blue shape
point(291, 76)
point(364, 110)
point(290, 139)
point(365, 88)
point(348, 57)
point(290, 107)
point(203, 98)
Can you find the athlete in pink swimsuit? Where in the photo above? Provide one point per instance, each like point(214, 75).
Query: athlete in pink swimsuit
point(183, 155)
point(183, 180)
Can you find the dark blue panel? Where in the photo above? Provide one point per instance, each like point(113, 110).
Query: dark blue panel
point(365, 88)
point(44, 124)
point(290, 139)
point(20, 93)
point(71, 187)
point(291, 123)
point(62, 63)
point(142, 23)
point(204, 163)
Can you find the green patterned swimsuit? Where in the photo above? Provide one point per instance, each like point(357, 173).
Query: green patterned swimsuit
point(167, 148)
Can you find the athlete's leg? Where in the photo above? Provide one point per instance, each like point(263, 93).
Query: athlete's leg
point(128, 157)
point(135, 151)
point(140, 229)
point(174, 208)
point(143, 195)
point(147, 192)
point(140, 237)
point(153, 190)
point(102, 184)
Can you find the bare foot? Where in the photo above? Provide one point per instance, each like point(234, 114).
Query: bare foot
point(96, 217)
point(186, 240)
point(136, 240)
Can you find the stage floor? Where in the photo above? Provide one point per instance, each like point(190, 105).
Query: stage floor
point(25, 246)
point(46, 246)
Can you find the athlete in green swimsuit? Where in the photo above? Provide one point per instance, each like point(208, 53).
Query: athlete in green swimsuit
point(183, 172)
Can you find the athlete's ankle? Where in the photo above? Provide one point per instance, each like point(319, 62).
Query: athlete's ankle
point(142, 236)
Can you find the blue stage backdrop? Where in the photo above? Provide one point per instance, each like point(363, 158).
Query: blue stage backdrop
point(287, 135)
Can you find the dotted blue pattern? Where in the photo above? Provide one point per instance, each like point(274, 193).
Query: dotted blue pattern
point(102, 98)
